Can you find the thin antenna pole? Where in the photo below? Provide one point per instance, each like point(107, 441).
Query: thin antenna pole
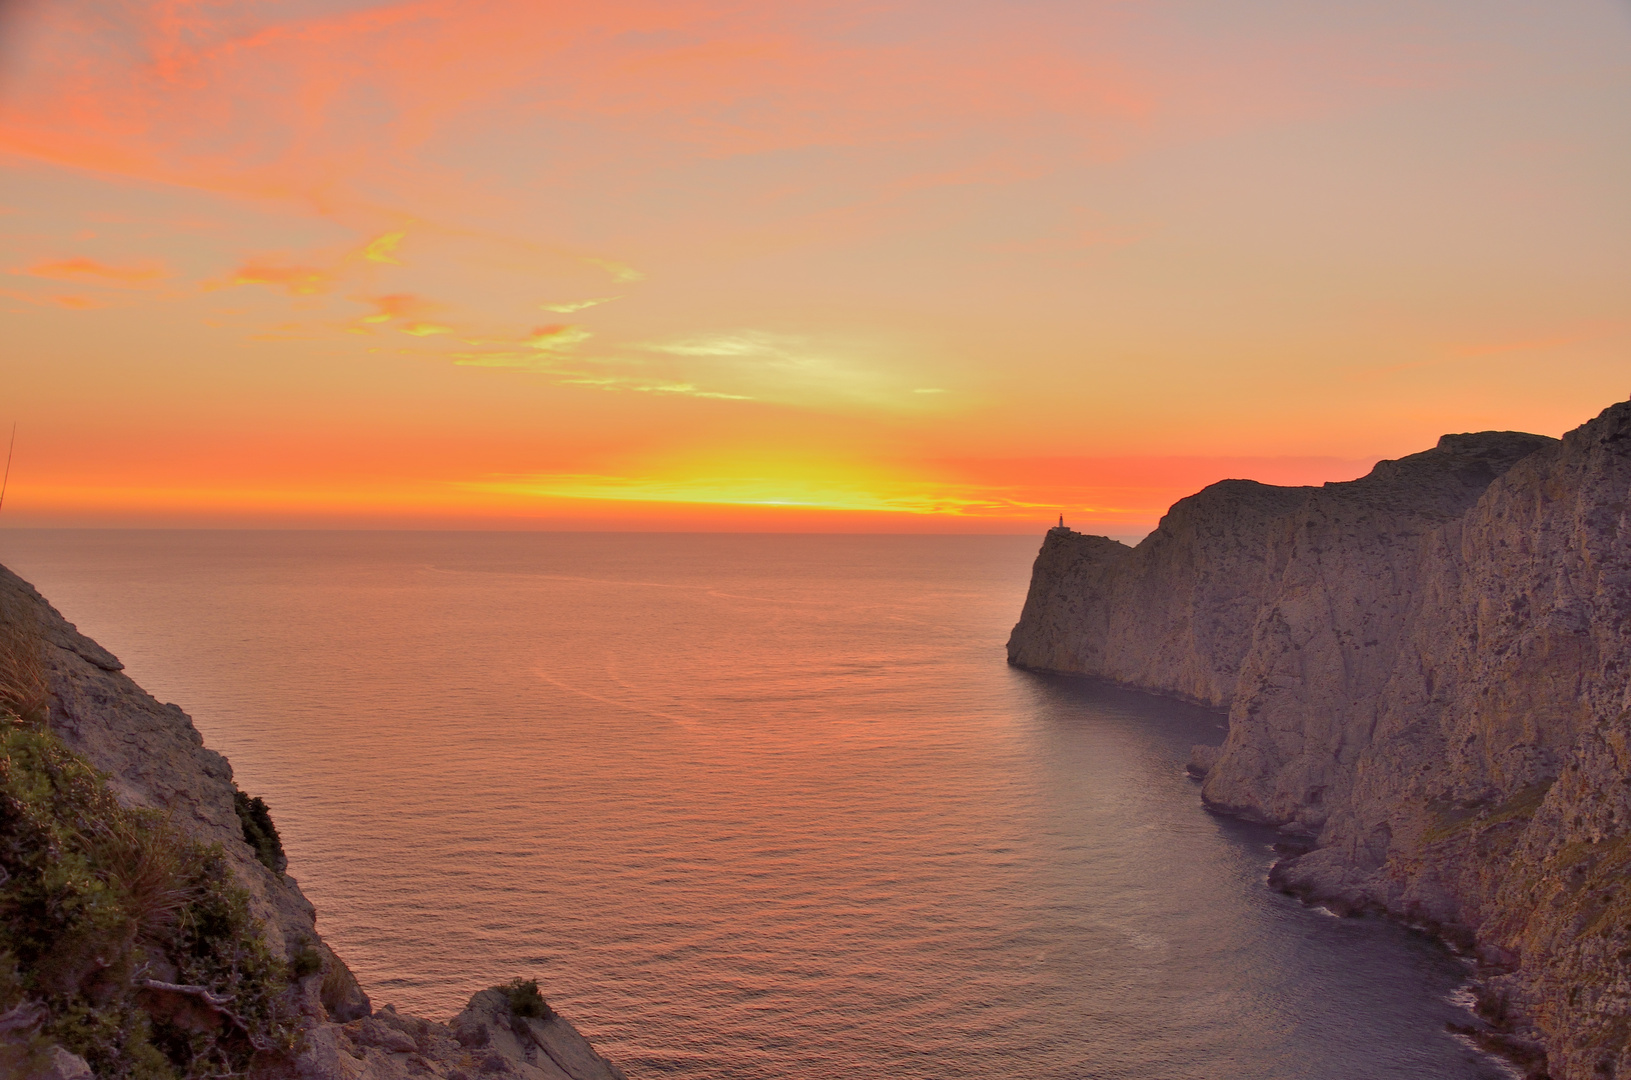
point(7, 479)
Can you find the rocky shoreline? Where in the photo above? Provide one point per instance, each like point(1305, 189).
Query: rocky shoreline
point(152, 756)
point(1428, 678)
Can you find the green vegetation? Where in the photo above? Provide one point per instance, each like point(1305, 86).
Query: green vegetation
point(121, 938)
point(1520, 807)
point(1451, 818)
point(259, 832)
point(1598, 889)
point(525, 1000)
point(306, 961)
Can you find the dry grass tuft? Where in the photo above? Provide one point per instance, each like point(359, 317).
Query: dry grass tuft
point(24, 691)
point(139, 855)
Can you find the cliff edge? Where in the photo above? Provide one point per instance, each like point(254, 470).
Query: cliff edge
point(100, 782)
point(1428, 678)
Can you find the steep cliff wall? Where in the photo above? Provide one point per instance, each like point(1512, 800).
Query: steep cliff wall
point(1177, 614)
point(1433, 691)
point(153, 757)
point(1173, 614)
point(1490, 793)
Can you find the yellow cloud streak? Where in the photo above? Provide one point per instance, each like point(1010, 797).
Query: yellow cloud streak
point(569, 306)
point(295, 280)
point(551, 338)
point(382, 248)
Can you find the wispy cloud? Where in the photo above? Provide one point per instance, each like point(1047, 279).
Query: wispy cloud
point(76, 303)
point(185, 98)
point(686, 390)
point(72, 302)
point(382, 249)
point(557, 338)
point(396, 306)
point(740, 365)
point(741, 343)
point(92, 272)
point(543, 348)
point(294, 280)
point(569, 306)
point(795, 369)
point(620, 272)
point(548, 351)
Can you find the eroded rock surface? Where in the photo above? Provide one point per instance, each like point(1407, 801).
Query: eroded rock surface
point(1426, 672)
point(484, 1041)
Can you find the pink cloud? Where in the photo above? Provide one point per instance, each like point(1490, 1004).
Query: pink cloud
point(90, 271)
point(397, 306)
point(294, 280)
point(185, 93)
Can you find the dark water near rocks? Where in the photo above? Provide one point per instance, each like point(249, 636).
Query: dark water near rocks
point(748, 806)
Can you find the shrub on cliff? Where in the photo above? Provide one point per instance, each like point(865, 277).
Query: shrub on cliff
point(525, 1001)
point(259, 832)
point(120, 938)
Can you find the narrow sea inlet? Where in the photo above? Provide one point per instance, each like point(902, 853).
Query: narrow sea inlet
point(748, 806)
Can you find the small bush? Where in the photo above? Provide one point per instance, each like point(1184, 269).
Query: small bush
point(259, 832)
point(307, 961)
point(525, 1000)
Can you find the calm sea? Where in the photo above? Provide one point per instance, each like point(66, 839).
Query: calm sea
point(748, 806)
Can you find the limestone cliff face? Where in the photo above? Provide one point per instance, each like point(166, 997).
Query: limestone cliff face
point(1178, 613)
point(154, 757)
point(1432, 688)
point(1492, 796)
point(1326, 637)
point(1172, 615)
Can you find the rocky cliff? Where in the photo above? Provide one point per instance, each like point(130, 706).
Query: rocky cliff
point(152, 757)
point(1426, 672)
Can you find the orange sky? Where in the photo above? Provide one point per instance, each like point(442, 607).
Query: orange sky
point(889, 265)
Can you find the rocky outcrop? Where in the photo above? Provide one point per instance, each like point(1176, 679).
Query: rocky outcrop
point(1426, 672)
point(485, 1040)
point(154, 757)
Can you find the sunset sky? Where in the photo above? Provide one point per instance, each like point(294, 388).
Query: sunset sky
point(892, 265)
